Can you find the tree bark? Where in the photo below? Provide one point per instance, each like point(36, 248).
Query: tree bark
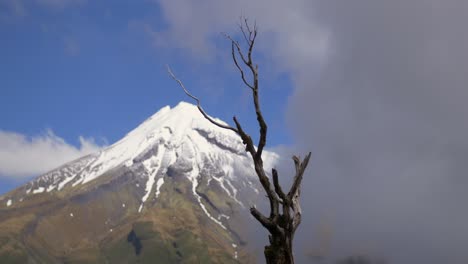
point(279, 251)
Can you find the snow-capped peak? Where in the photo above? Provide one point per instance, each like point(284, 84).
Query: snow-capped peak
point(166, 126)
point(177, 137)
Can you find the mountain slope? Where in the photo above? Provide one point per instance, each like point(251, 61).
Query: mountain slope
point(174, 189)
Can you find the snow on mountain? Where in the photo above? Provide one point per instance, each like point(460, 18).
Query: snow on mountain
point(178, 138)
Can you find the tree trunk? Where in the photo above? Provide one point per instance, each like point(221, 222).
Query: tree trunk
point(280, 250)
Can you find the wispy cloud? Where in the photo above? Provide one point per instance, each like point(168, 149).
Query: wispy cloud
point(23, 156)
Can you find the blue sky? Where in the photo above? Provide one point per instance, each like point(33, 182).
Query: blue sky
point(92, 69)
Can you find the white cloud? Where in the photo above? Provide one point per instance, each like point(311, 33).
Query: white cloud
point(23, 156)
point(288, 28)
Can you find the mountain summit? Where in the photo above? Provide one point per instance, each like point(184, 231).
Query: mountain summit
point(175, 189)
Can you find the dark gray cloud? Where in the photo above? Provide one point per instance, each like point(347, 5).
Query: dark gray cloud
point(379, 98)
point(388, 123)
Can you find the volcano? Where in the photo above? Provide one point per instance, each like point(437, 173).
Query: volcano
point(174, 190)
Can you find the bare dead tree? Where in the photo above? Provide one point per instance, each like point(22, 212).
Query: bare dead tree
point(285, 209)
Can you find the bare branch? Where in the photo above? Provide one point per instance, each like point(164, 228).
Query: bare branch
point(234, 58)
point(278, 188)
point(252, 44)
point(246, 139)
point(267, 223)
point(246, 23)
point(258, 164)
point(295, 192)
point(261, 121)
point(238, 47)
point(198, 103)
point(296, 207)
point(252, 36)
point(250, 39)
point(247, 39)
point(300, 168)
